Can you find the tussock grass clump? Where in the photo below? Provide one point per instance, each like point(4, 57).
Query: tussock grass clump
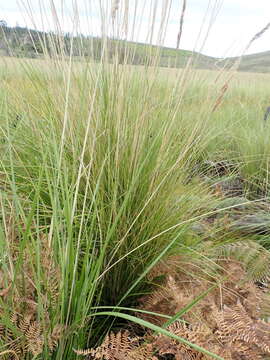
point(97, 163)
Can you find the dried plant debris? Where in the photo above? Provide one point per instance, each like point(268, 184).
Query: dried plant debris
point(25, 334)
point(236, 325)
point(28, 329)
point(235, 337)
point(120, 346)
point(227, 321)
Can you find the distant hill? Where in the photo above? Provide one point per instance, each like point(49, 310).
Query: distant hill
point(19, 41)
point(259, 62)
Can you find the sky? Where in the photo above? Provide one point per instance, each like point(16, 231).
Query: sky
point(217, 28)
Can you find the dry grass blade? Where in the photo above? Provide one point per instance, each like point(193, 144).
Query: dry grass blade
point(221, 96)
point(181, 23)
point(254, 38)
point(257, 36)
point(114, 9)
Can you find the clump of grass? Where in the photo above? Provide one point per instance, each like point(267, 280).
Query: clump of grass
point(97, 163)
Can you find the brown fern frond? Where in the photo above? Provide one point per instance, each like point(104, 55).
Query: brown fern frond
point(160, 302)
point(14, 317)
point(85, 352)
point(142, 352)
point(264, 306)
point(25, 323)
point(55, 336)
point(24, 334)
point(11, 352)
point(167, 346)
point(198, 334)
point(50, 270)
point(17, 346)
point(35, 338)
point(234, 333)
point(114, 347)
point(235, 324)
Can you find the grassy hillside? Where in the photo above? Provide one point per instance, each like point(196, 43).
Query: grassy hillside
point(254, 63)
point(20, 41)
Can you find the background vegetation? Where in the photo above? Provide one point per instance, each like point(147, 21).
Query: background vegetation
point(24, 42)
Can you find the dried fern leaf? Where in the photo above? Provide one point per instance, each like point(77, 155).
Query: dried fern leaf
point(236, 325)
point(114, 347)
